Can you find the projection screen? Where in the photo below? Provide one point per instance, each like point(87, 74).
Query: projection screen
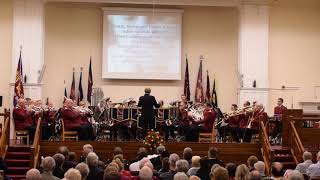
point(141, 43)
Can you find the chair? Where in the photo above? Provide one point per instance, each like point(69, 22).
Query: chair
point(315, 178)
point(21, 135)
point(68, 135)
point(208, 137)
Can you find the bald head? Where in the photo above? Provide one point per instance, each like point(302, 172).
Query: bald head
point(21, 102)
point(33, 174)
point(255, 175)
point(68, 103)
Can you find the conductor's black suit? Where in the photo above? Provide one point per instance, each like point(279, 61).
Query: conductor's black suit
point(147, 119)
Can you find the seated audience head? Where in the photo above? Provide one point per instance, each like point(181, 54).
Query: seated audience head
point(231, 167)
point(64, 150)
point(187, 154)
point(110, 169)
point(68, 103)
point(182, 166)
point(213, 153)
point(147, 90)
point(59, 159)
point(48, 164)
point(145, 173)
point(195, 161)
point(117, 150)
point(86, 149)
point(194, 178)
point(119, 163)
point(142, 152)
point(33, 174)
point(83, 169)
point(165, 164)
point(72, 156)
point(165, 154)
point(92, 159)
point(180, 176)
point(173, 158)
point(115, 165)
point(295, 175)
point(72, 174)
point(276, 169)
point(214, 167)
point(259, 166)
point(318, 156)
point(219, 173)
point(251, 161)
point(242, 172)
point(143, 162)
point(255, 175)
point(119, 156)
point(160, 149)
point(307, 155)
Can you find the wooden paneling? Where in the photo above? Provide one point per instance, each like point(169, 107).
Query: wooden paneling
point(229, 152)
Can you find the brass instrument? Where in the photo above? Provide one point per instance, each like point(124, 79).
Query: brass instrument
point(196, 111)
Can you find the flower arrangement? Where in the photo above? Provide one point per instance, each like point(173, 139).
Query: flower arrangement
point(152, 140)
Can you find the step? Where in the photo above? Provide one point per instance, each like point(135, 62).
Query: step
point(18, 162)
point(18, 155)
point(16, 177)
point(19, 148)
point(281, 150)
point(18, 170)
point(288, 165)
point(283, 158)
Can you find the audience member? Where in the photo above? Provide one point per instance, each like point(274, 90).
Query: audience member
point(182, 166)
point(204, 170)
point(259, 166)
point(86, 149)
point(295, 175)
point(145, 173)
point(67, 164)
point(73, 157)
point(307, 161)
point(156, 161)
point(254, 175)
point(219, 173)
point(72, 174)
point(195, 166)
point(251, 161)
point(231, 167)
point(194, 178)
point(173, 158)
point(142, 153)
point(276, 170)
point(117, 150)
point(180, 176)
point(165, 165)
point(48, 165)
point(242, 172)
point(112, 176)
point(187, 155)
point(58, 170)
point(314, 169)
point(84, 170)
point(33, 174)
point(213, 155)
point(94, 172)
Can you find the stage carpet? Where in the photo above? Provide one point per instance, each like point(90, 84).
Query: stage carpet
point(229, 152)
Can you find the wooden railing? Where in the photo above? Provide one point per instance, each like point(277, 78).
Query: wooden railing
point(4, 140)
point(35, 148)
point(266, 151)
point(296, 145)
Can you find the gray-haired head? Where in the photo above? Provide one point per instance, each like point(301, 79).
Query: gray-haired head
point(92, 159)
point(295, 175)
point(160, 149)
point(145, 173)
point(33, 174)
point(182, 166)
point(173, 158)
point(48, 164)
point(84, 170)
point(180, 176)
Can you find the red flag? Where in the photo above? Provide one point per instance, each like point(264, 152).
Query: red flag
point(199, 97)
point(208, 95)
point(80, 90)
point(73, 88)
point(18, 86)
point(186, 89)
point(90, 83)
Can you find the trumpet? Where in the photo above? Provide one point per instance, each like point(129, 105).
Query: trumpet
point(239, 111)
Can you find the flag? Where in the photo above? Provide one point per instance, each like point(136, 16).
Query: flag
point(214, 98)
point(18, 85)
point(80, 90)
point(73, 88)
point(47, 101)
point(199, 97)
point(208, 95)
point(186, 89)
point(90, 83)
point(65, 89)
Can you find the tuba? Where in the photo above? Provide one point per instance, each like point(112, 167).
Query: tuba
point(196, 111)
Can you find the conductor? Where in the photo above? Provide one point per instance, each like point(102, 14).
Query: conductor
point(147, 103)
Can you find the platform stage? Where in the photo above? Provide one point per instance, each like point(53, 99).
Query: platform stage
point(229, 152)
